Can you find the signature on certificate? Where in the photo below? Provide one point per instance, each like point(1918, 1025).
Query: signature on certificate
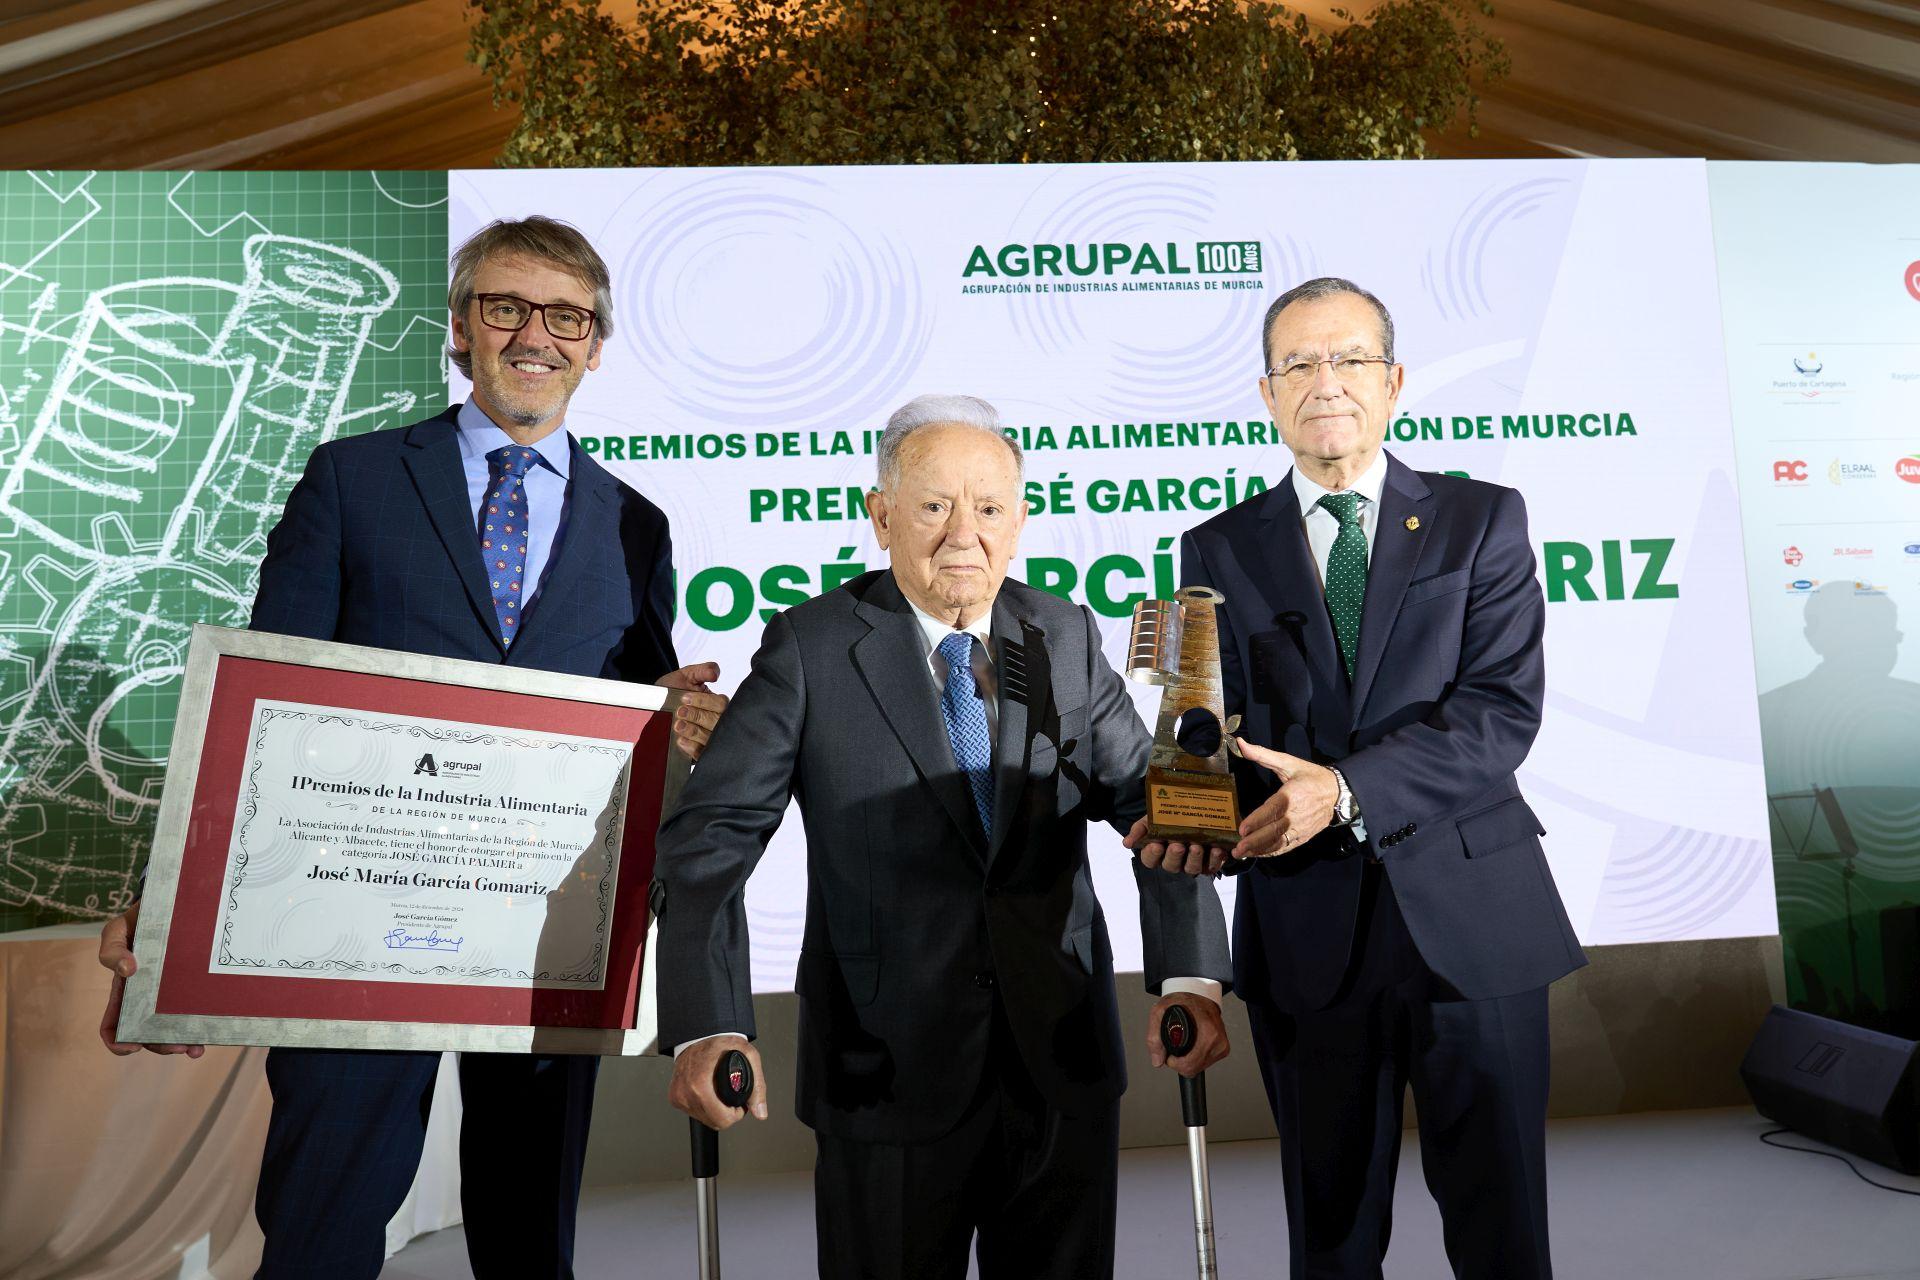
point(432, 940)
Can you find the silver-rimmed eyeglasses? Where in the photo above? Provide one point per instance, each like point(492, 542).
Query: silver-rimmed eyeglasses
point(1349, 369)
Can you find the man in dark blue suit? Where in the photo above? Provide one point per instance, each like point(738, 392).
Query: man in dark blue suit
point(1382, 630)
point(487, 534)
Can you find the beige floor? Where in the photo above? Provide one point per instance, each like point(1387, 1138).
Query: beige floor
point(1680, 1195)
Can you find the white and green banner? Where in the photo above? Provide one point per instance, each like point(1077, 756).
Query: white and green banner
point(1561, 329)
point(1820, 285)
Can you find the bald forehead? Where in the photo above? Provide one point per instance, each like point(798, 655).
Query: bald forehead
point(958, 442)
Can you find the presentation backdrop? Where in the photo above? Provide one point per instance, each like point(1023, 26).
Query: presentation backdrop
point(1820, 281)
point(172, 347)
point(1561, 330)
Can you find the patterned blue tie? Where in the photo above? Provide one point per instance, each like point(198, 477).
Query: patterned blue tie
point(966, 717)
point(503, 531)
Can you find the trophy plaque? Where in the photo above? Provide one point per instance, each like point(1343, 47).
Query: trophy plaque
point(1190, 792)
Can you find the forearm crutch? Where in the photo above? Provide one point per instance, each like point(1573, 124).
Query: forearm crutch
point(1176, 1037)
point(733, 1084)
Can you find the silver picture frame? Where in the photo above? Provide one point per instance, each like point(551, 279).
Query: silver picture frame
point(141, 1021)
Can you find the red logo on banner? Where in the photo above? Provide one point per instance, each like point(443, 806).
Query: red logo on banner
point(1908, 469)
point(1913, 280)
point(1794, 472)
point(1792, 555)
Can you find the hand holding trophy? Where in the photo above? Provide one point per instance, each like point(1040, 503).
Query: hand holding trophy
point(1193, 813)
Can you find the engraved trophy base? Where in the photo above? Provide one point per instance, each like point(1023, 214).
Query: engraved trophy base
point(1184, 805)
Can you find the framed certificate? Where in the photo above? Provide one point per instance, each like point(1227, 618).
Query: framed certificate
point(374, 850)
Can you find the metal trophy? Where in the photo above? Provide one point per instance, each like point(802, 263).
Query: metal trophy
point(1190, 793)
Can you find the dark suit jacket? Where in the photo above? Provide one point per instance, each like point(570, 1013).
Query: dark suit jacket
point(1444, 704)
point(915, 918)
point(378, 547)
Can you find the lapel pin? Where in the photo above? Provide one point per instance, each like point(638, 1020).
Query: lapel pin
point(1413, 522)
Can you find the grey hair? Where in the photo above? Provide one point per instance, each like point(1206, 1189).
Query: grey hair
point(938, 411)
point(542, 238)
point(1313, 291)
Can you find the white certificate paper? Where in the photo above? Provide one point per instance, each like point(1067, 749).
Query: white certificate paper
point(403, 849)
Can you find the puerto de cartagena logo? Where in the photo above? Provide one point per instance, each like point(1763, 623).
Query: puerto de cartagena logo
point(1810, 381)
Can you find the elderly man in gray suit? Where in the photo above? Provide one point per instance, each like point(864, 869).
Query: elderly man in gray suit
point(948, 733)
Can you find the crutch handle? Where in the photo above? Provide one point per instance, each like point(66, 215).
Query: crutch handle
point(1176, 1031)
point(733, 1085)
point(733, 1078)
point(1176, 1037)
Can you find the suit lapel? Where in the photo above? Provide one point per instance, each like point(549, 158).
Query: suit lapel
point(1024, 676)
point(892, 660)
point(1396, 549)
point(1291, 585)
point(434, 463)
point(592, 520)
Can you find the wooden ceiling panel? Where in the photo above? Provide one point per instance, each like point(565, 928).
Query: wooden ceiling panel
point(85, 53)
point(371, 89)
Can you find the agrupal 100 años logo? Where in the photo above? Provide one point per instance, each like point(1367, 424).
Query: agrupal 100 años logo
point(1113, 268)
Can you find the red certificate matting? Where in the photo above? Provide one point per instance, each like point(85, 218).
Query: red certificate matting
point(186, 985)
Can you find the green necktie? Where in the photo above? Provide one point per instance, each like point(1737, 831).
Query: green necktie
point(1346, 574)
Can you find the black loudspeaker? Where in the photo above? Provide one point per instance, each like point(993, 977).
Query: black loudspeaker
point(1900, 968)
point(1840, 1084)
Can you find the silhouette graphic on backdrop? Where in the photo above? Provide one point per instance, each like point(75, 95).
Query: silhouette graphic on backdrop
point(1842, 744)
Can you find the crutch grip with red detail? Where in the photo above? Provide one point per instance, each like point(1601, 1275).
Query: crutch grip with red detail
point(733, 1085)
point(1176, 1037)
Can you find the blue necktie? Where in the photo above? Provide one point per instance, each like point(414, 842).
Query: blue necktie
point(503, 531)
point(966, 717)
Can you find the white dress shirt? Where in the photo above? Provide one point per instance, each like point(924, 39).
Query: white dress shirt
point(933, 630)
point(1319, 523)
point(1322, 529)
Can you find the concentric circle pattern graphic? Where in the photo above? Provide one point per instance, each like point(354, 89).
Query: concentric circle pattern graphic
point(761, 301)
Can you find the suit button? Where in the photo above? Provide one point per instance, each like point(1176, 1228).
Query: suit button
point(983, 979)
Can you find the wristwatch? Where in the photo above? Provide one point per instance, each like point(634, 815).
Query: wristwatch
point(1346, 810)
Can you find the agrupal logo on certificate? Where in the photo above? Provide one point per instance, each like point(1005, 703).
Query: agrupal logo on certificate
point(1147, 266)
point(452, 770)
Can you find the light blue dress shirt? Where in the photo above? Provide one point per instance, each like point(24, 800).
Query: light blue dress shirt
point(546, 488)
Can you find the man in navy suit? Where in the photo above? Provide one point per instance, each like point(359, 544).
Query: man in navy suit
point(1382, 630)
point(487, 534)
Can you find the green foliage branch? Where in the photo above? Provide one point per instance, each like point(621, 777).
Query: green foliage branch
point(797, 82)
